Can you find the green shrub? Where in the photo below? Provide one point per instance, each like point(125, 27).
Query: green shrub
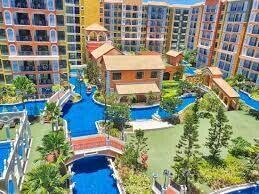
point(229, 173)
point(240, 147)
point(114, 132)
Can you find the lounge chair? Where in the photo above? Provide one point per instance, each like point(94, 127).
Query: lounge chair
point(12, 124)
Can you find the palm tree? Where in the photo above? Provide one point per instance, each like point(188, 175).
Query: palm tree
point(24, 87)
point(45, 179)
point(55, 143)
point(52, 112)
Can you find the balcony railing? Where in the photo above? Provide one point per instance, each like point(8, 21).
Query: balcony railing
point(28, 68)
point(19, 4)
point(23, 38)
point(44, 67)
point(38, 4)
point(45, 81)
point(22, 21)
point(40, 22)
point(25, 53)
point(41, 38)
point(42, 53)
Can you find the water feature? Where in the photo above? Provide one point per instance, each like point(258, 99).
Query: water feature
point(248, 190)
point(93, 176)
point(34, 108)
point(248, 100)
point(5, 148)
point(81, 116)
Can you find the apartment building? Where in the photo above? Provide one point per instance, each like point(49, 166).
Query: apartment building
point(177, 27)
point(232, 36)
point(249, 57)
point(193, 27)
point(33, 43)
point(212, 18)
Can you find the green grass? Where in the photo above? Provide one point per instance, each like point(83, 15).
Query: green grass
point(162, 143)
point(169, 88)
point(3, 133)
point(38, 131)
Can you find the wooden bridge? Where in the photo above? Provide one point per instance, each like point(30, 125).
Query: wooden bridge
point(101, 144)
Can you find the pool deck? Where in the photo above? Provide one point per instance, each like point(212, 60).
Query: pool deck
point(149, 124)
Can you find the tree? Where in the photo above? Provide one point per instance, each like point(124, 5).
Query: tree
point(45, 178)
point(6, 91)
point(184, 86)
point(24, 87)
point(52, 112)
point(219, 133)
point(92, 73)
point(169, 104)
point(210, 102)
point(187, 158)
point(190, 56)
point(55, 143)
point(119, 114)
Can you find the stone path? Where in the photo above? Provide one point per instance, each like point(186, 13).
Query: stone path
point(149, 124)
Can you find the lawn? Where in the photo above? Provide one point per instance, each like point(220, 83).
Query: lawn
point(169, 88)
point(12, 133)
point(162, 143)
point(38, 131)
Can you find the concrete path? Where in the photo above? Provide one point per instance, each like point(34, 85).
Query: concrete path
point(149, 124)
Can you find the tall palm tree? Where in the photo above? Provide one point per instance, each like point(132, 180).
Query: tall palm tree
point(24, 87)
point(52, 112)
point(45, 179)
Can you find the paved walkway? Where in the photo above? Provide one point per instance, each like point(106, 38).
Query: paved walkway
point(149, 124)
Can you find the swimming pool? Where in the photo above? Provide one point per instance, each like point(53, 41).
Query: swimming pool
point(250, 190)
point(93, 176)
point(34, 108)
point(81, 116)
point(5, 149)
point(248, 100)
point(189, 70)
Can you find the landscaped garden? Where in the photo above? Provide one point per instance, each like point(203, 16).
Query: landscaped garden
point(229, 161)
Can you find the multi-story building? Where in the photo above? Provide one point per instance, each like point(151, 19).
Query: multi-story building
point(212, 17)
point(33, 43)
point(193, 28)
point(249, 58)
point(232, 36)
point(155, 15)
point(177, 27)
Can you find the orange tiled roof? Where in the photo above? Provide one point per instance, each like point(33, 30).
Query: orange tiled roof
point(226, 87)
point(100, 51)
point(215, 70)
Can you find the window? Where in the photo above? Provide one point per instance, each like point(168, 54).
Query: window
point(54, 49)
point(3, 50)
point(62, 50)
point(116, 76)
point(53, 37)
point(12, 49)
point(61, 35)
point(10, 35)
point(59, 4)
point(2, 34)
point(8, 18)
point(60, 20)
point(51, 5)
point(5, 3)
point(139, 75)
point(7, 65)
point(52, 21)
point(154, 74)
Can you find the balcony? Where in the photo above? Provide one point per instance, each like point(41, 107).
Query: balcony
point(21, 19)
point(38, 4)
point(44, 67)
point(19, 4)
point(45, 80)
point(41, 36)
point(27, 66)
point(39, 20)
point(24, 35)
point(42, 53)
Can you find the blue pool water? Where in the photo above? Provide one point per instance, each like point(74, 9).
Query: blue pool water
point(33, 108)
point(250, 190)
point(5, 149)
point(189, 70)
point(248, 100)
point(81, 116)
point(93, 176)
